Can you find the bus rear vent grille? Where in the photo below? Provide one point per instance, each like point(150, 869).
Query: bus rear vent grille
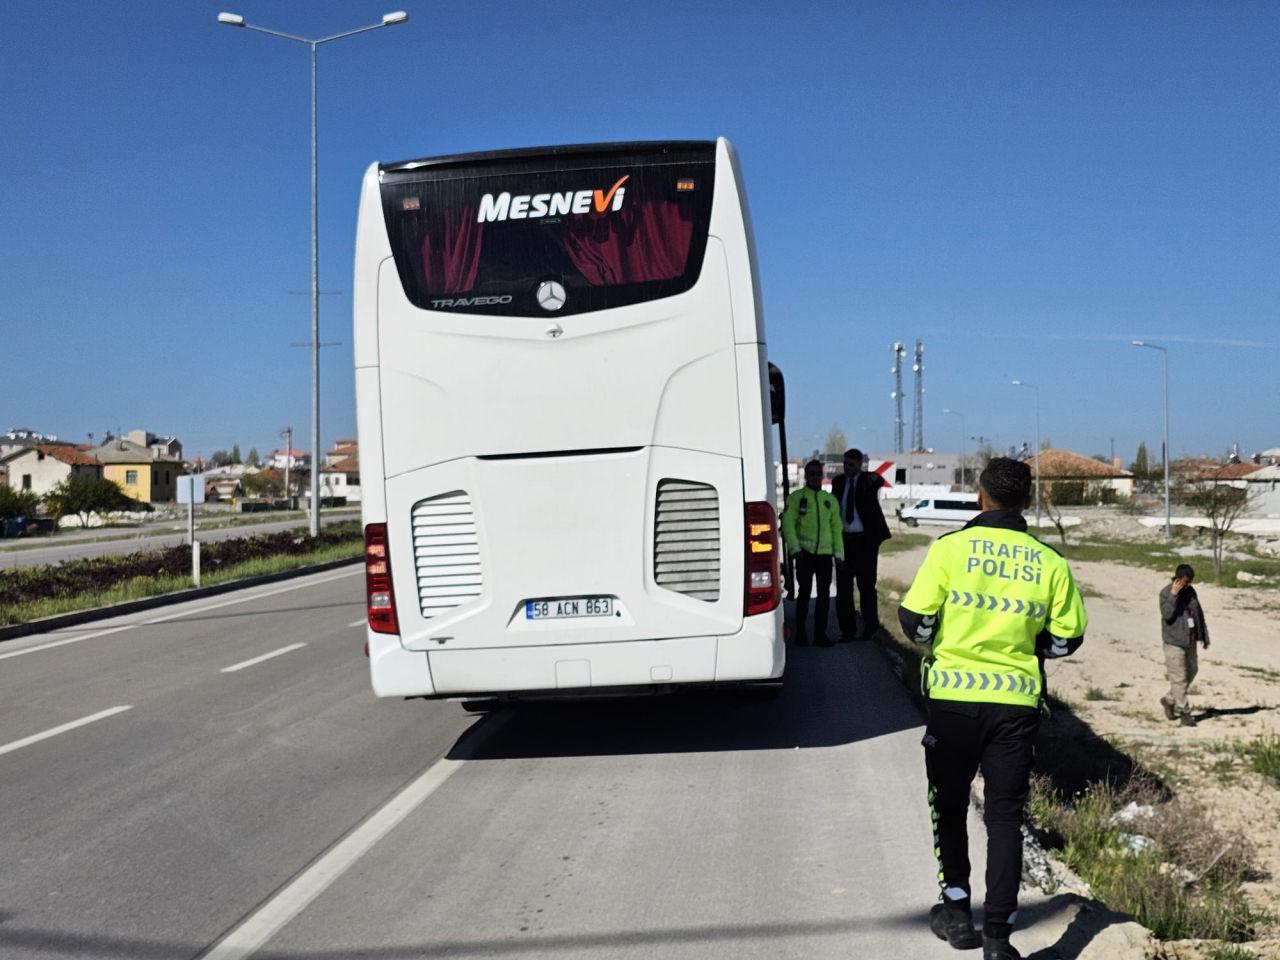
point(686, 542)
point(446, 553)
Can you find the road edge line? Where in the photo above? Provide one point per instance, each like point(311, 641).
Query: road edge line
point(290, 900)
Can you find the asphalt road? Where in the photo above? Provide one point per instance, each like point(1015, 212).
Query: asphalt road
point(73, 549)
point(171, 789)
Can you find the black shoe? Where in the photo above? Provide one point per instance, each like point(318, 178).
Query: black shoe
point(824, 641)
point(954, 924)
point(1169, 712)
point(1187, 720)
point(999, 948)
point(847, 636)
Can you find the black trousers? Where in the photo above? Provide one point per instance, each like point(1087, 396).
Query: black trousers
point(999, 739)
point(810, 567)
point(861, 556)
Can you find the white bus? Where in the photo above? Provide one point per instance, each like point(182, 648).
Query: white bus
point(564, 419)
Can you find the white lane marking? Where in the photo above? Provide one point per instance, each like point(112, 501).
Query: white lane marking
point(266, 656)
point(363, 621)
point(37, 737)
point(63, 643)
point(173, 616)
point(276, 913)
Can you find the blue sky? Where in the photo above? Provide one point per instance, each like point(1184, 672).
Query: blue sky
point(1025, 186)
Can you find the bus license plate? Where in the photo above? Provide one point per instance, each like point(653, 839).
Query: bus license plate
point(568, 607)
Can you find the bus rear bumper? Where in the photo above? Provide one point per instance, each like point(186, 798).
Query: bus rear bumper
point(755, 652)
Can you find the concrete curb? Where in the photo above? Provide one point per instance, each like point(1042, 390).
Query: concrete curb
point(13, 631)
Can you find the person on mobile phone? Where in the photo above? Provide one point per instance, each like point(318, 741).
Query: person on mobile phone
point(1182, 626)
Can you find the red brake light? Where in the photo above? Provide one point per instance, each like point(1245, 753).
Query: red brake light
point(379, 593)
point(763, 582)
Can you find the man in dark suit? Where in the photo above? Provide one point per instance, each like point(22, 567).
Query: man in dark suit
point(858, 493)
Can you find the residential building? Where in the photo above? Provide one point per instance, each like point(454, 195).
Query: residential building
point(160, 446)
point(342, 450)
point(1263, 491)
point(1231, 474)
point(1080, 479)
point(40, 468)
point(293, 459)
point(221, 488)
point(139, 471)
point(20, 438)
point(341, 479)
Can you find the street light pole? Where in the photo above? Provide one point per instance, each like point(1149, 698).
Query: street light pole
point(963, 473)
point(1168, 530)
point(1023, 383)
point(390, 20)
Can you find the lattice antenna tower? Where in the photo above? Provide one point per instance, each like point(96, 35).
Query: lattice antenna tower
point(917, 415)
point(899, 351)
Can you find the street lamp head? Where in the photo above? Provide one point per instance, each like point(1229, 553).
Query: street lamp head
point(231, 19)
point(391, 19)
point(1138, 343)
point(1016, 383)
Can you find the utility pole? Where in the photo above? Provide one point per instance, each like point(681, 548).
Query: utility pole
point(389, 20)
point(287, 433)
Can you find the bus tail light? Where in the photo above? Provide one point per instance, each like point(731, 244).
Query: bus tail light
point(763, 582)
point(380, 594)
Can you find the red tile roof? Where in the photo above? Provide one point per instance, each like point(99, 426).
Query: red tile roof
point(67, 454)
point(1065, 465)
point(348, 465)
point(1228, 471)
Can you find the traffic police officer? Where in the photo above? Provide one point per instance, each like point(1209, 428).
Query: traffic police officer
point(992, 602)
point(813, 534)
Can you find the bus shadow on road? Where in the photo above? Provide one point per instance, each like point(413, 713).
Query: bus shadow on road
point(830, 696)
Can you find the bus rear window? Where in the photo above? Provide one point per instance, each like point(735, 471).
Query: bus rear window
point(549, 236)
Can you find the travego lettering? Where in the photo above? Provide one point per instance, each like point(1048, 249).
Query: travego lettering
point(472, 301)
point(538, 205)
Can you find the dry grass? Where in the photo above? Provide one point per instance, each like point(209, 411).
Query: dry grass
point(1183, 881)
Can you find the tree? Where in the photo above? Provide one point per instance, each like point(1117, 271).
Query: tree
point(253, 460)
point(235, 453)
point(266, 483)
point(84, 496)
point(220, 458)
point(836, 441)
point(1221, 503)
point(1052, 510)
point(1141, 466)
point(17, 503)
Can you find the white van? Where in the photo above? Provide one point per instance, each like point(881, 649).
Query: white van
point(565, 424)
point(952, 509)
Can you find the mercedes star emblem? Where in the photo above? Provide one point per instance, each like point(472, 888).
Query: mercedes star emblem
point(550, 295)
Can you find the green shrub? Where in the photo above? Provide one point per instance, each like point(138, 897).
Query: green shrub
point(1264, 756)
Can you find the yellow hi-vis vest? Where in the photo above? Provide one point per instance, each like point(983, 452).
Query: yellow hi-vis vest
point(994, 592)
point(811, 522)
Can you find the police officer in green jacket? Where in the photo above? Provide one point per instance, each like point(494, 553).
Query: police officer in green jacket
point(992, 603)
point(814, 536)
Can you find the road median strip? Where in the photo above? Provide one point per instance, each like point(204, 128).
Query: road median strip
point(37, 600)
